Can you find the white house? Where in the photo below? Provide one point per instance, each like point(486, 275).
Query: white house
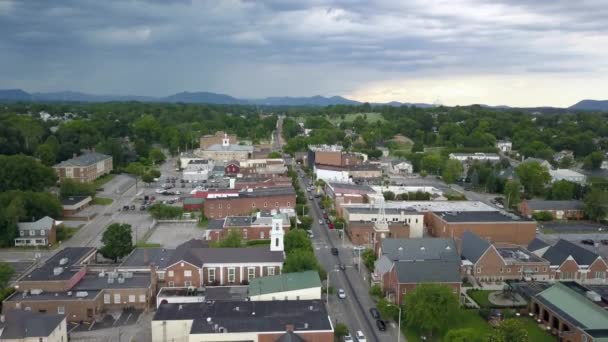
point(504, 145)
point(401, 167)
point(604, 165)
point(197, 170)
point(567, 174)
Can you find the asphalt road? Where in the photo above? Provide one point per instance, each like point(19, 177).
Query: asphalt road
point(354, 309)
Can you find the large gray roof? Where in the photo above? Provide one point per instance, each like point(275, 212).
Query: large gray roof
point(45, 223)
point(21, 324)
point(537, 244)
point(45, 271)
point(144, 257)
point(231, 147)
point(478, 216)
point(432, 271)
point(473, 246)
point(95, 282)
point(555, 205)
point(559, 252)
point(420, 249)
point(84, 159)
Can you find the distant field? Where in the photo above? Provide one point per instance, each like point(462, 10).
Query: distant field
point(371, 117)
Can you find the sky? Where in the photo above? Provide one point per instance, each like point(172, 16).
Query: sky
point(451, 52)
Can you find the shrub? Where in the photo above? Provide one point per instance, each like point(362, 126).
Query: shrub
point(542, 216)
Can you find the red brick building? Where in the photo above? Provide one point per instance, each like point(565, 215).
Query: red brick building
point(363, 233)
point(256, 227)
point(74, 204)
point(232, 167)
point(245, 202)
point(561, 210)
point(217, 139)
point(493, 226)
point(84, 168)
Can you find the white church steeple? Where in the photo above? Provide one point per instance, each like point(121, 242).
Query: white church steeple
point(277, 233)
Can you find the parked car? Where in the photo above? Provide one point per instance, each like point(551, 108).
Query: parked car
point(310, 234)
point(375, 313)
point(125, 207)
point(381, 325)
point(321, 222)
point(142, 207)
point(132, 206)
point(342, 267)
point(604, 242)
point(341, 293)
point(360, 337)
point(347, 338)
point(330, 225)
point(334, 251)
point(588, 242)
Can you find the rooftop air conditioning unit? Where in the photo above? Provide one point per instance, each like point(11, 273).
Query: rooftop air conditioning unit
point(81, 294)
point(57, 271)
point(63, 261)
point(110, 280)
point(121, 280)
point(36, 291)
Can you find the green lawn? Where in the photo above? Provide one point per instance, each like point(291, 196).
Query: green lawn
point(535, 332)
point(467, 319)
point(65, 233)
point(99, 182)
point(481, 297)
point(102, 201)
point(142, 244)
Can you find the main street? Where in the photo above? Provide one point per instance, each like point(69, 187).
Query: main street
point(354, 309)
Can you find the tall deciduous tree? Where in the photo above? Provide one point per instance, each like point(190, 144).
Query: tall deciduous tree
point(232, 240)
point(562, 190)
point(24, 173)
point(596, 204)
point(512, 193)
point(297, 239)
point(117, 241)
point(430, 308)
point(509, 330)
point(452, 171)
point(301, 260)
point(156, 156)
point(533, 176)
point(431, 163)
point(593, 161)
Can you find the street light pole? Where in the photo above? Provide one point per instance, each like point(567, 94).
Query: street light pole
point(399, 332)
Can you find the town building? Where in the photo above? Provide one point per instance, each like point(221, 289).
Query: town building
point(330, 155)
point(504, 146)
point(567, 175)
point(287, 286)
point(186, 157)
point(72, 205)
point(403, 189)
point(232, 168)
point(571, 262)
point(84, 168)
point(329, 173)
point(347, 193)
point(544, 163)
point(251, 227)
point(495, 226)
point(197, 170)
point(480, 156)
point(226, 151)
point(560, 210)
point(360, 222)
point(244, 202)
point(257, 181)
point(262, 321)
point(364, 171)
point(570, 314)
point(401, 167)
point(28, 326)
point(216, 139)
point(38, 233)
point(489, 262)
point(193, 203)
point(263, 166)
point(404, 263)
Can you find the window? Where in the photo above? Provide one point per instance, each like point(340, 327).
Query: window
point(250, 273)
point(600, 275)
point(289, 204)
point(567, 275)
point(107, 298)
point(32, 232)
point(22, 232)
point(228, 205)
point(270, 271)
point(187, 273)
point(478, 269)
point(117, 298)
point(61, 310)
point(231, 275)
point(253, 205)
point(211, 275)
point(509, 270)
point(261, 235)
point(544, 269)
point(395, 219)
point(171, 284)
point(42, 232)
point(170, 273)
point(265, 204)
point(161, 275)
point(142, 298)
point(276, 204)
point(131, 298)
point(188, 284)
point(502, 270)
point(416, 220)
point(40, 339)
point(219, 206)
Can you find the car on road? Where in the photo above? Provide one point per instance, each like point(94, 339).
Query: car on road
point(347, 338)
point(334, 251)
point(359, 248)
point(310, 234)
point(360, 337)
point(142, 207)
point(341, 293)
point(604, 242)
point(588, 242)
point(321, 222)
point(381, 325)
point(125, 207)
point(342, 267)
point(310, 198)
point(375, 313)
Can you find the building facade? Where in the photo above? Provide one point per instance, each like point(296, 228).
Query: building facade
point(248, 201)
point(217, 139)
point(39, 233)
point(560, 210)
point(84, 168)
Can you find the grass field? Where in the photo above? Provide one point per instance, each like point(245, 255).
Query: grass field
point(481, 297)
point(102, 201)
point(142, 244)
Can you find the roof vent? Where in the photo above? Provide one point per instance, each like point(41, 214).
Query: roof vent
point(35, 291)
point(209, 320)
point(448, 248)
point(400, 248)
point(422, 248)
point(305, 325)
point(57, 271)
point(81, 294)
point(63, 261)
point(179, 308)
point(311, 308)
point(236, 308)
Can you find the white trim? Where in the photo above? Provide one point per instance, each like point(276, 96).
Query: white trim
point(248, 264)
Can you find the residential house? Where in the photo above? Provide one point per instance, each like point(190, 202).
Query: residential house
point(504, 146)
point(570, 314)
point(39, 233)
point(560, 210)
point(571, 262)
point(404, 263)
point(568, 175)
point(28, 326)
point(559, 156)
point(401, 167)
point(287, 286)
point(494, 226)
point(490, 262)
point(232, 167)
point(244, 202)
point(480, 156)
point(262, 321)
point(84, 168)
point(251, 227)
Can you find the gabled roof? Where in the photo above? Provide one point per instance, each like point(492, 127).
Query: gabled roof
point(433, 271)
point(537, 244)
point(559, 252)
point(555, 205)
point(284, 282)
point(21, 324)
point(473, 247)
point(85, 159)
point(574, 307)
point(45, 223)
point(420, 249)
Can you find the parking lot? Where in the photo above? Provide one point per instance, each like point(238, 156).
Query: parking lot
point(170, 235)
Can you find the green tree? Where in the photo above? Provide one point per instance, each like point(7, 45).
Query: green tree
point(46, 153)
point(6, 272)
point(430, 308)
point(274, 155)
point(387, 309)
point(593, 161)
point(542, 216)
point(512, 192)
point(297, 239)
point(452, 171)
point(301, 260)
point(462, 335)
point(562, 190)
point(509, 330)
point(388, 195)
point(156, 156)
point(431, 163)
point(232, 240)
point(20, 172)
point(533, 176)
point(340, 330)
point(147, 178)
point(117, 241)
point(147, 128)
point(162, 211)
point(70, 187)
point(136, 169)
point(596, 204)
point(369, 258)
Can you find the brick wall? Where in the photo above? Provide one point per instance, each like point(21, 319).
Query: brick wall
point(222, 207)
point(217, 138)
point(179, 278)
point(490, 267)
point(332, 158)
point(75, 310)
point(307, 336)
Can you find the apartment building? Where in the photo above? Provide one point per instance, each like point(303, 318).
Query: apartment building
point(84, 168)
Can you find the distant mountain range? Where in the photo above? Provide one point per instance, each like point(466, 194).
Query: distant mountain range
point(12, 95)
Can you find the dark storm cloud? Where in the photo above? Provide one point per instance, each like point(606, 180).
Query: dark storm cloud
point(257, 48)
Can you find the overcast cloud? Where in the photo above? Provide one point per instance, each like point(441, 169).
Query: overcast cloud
point(514, 52)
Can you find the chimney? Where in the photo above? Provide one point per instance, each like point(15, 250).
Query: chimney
point(289, 327)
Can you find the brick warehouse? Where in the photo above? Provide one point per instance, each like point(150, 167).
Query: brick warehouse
point(493, 226)
point(245, 202)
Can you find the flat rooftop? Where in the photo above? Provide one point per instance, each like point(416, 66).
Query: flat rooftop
point(517, 255)
point(144, 257)
point(426, 206)
point(479, 216)
point(53, 296)
point(65, 263)
point(97, 282)
point(350, 186)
